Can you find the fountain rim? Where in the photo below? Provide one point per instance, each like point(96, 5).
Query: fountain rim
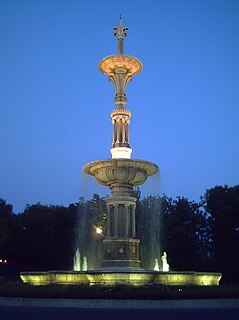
point(126, 277)
point(131, 63)
point(148, 167)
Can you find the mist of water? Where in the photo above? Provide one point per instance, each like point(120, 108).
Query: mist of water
point(148, 228)
point(165, 265)
point(156, 266)
point(84, 264)
point(77, 260)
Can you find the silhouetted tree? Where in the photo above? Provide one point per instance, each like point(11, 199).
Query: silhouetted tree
point(200, 237)
point(222, 206)
point(46, 237)
point(6, 215)
point(184, 230)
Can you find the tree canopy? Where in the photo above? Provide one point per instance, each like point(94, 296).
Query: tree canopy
point(197, 236)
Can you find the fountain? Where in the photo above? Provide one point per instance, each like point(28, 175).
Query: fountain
point(165, 265)
point(84, 264)
point(121, 263)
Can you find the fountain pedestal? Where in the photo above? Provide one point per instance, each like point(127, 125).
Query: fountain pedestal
point(121, 248)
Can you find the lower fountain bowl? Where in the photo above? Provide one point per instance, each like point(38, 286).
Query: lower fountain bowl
point(117, 277)
point(121, 171)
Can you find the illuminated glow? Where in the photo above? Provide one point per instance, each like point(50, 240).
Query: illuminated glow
point(121, 153)
point(165, 267)
point(115, 278)
point(84, 264)
point(156, 266)
point(98, 230)
point(77, 261)
point(3, 261)
point(114, 62)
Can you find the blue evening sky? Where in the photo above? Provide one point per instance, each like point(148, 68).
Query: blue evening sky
point(55, 104)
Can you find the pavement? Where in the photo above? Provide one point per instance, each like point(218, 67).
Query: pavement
point(120, 304)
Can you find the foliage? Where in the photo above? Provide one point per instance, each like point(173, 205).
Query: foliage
point(41, 237)
point(222, 207)
point(5, 226)
point(184, 236)
point(196, 236)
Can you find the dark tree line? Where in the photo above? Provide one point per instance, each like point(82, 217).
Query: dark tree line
point(201, 236)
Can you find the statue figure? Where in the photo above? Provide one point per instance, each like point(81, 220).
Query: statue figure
point(165, 265)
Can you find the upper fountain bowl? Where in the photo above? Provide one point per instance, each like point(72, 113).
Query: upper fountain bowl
point(131, 64)
point(122, 171)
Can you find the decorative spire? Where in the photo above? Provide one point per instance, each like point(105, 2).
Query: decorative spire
point(120, 68)
point(120, 33)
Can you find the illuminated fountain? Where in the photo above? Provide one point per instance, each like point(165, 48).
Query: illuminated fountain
point(165, 265)
point(156, 265)
point(77, 260)
point(121, 263)
point(121, 174)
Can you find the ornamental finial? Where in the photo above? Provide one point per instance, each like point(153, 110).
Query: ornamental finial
point(120, 33)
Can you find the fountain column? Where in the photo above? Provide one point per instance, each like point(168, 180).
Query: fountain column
point(116, 219)
point(121, 249)
point(126, 221)
point(121, 174)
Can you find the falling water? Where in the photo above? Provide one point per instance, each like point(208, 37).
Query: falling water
point(89, 243)
point(152, 186)
point(148, 228)
point(148, 216)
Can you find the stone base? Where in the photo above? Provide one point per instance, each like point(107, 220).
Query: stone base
point(121, 253)
point(116, 277)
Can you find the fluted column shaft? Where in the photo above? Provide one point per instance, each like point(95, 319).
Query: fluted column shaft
point(116, 218)
point(120, 123)
point(133, 221)
point(126, 221)
point(108, 221)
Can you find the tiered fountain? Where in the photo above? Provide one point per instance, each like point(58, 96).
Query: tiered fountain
point(121, 263)
point(121, 174)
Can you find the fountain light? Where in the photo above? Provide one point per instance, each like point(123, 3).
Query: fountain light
point(98, 230)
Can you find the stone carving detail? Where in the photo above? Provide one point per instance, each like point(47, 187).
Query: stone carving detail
point(120, 32)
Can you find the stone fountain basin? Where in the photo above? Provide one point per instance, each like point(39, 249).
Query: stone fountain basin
point(109, 64)
point(131, 278)
point(121, 171)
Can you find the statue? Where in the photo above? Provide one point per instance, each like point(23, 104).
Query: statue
point(165, 265)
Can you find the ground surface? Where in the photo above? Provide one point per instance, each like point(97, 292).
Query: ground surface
point(19, 289)
point(34, 313)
